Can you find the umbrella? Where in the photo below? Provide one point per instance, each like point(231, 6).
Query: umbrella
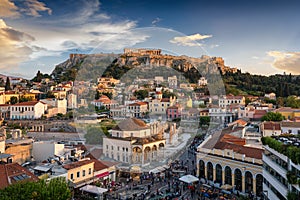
point(189, 179)
point(226, 187)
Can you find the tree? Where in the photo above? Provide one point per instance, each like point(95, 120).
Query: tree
point(204, 120)
point(50, 94)
point(272, 116)
point(168, 94)
point(2, 84)
point(292, 196)
point(7, 84)
point(293, 102)
point(141, 94)
point(94, 135)
point(13, 100)
point(57, 188)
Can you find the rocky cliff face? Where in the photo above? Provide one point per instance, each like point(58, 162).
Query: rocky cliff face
point(116, 65)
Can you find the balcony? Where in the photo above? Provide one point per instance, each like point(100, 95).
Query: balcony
point(275, 183)
point(274, 165)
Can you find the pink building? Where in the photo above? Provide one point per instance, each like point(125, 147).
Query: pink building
point(174, 112)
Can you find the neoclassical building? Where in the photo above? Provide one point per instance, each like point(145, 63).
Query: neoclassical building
point(225, 158)
point(134, 142)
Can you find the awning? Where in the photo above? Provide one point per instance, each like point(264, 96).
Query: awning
point(189, 179)
point(93, 189)
point(42, 168)
point(102, 175)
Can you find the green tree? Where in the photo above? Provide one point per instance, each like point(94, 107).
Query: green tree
point(56, 188)
point(7, 84)
point(94, 135)
point(168, 94)
point(292, 196)
point(293, 102)
point(141, 94)
point(13, 100)
point(50, 94)
point(272, 116)
point(204, 120)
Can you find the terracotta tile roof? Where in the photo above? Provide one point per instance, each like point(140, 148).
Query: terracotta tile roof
point(138, 104)
point(29, 103)
point(248, 151)
point(131, 124)
point(12, 173)
point(165, 100)
point(291, 124)
point(98, 165)
point(271, 126)
point(284, 109)
point(233, 139)
point(109, 163)
point(77, 164)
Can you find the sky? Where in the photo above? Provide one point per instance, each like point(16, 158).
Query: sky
point(259, 37)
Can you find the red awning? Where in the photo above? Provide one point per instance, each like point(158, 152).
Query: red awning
point(102, 175)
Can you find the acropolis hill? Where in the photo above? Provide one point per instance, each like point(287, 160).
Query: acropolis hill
point(132, 57)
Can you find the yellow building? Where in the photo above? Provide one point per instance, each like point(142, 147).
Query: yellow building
point(288, 112)
point(80, 173)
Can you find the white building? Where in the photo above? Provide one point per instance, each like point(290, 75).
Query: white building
point(290, 127)
point(138, 109)
point(172, 80)
point(220, 114)
point(28, 110)
point(60, 104)
point(276, 166)
point(270, 128)
point(134, 142)
point(227, 100)
point(42, 150)
point(202, 81)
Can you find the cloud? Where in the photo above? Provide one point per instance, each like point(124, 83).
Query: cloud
point(155, 21)
point(190, 40)
point(33, 7)
point(286, 61)
point(14, 45)
point(8, 9)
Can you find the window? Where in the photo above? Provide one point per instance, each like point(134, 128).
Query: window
point(83, 173)
point(118, 148)
point(106, 146)
point(72, 176)
point(112, 147)
point(78, 174)
point(90, 170)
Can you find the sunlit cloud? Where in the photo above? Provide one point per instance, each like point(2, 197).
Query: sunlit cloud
point(286, 61)
point(190, 40)
point(15, 46)
point(33, 7)
point(8, 9)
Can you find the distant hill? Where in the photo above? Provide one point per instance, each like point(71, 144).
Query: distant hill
point(116, 65)
point(91, 66)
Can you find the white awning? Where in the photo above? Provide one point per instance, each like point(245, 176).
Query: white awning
point(42, 168)
point(189, 179)
point(93, 189)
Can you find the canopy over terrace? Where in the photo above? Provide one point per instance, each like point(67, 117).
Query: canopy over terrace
point(189, 179)
point(93, 189)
